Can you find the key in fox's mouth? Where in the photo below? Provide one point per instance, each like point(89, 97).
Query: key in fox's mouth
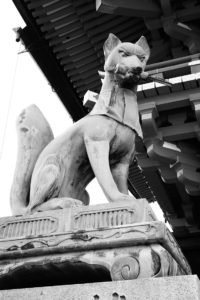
point(128, 82)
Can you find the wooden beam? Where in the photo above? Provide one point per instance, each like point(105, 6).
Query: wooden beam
point(188, 175)
point(179, 132)
point(148, 164)
point(179, 30)
point(170, 101)
point(182, 15)
point(134, 8)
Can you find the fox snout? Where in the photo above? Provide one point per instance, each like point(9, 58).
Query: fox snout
point(127, 77)
point(135, 71)
point(123, 69)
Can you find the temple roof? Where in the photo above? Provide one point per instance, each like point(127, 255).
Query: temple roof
point(71, 34)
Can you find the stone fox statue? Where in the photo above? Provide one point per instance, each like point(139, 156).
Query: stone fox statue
point(53, 173)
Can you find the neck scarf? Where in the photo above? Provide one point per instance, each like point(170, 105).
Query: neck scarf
point(121, 105)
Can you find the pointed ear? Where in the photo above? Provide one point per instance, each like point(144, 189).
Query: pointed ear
point(142, 42)
point(111, 42)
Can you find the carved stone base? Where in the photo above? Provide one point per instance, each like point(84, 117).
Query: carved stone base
point(87, 244)
point(167, 288)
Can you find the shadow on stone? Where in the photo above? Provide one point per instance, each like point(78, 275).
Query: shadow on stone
point(50, 274)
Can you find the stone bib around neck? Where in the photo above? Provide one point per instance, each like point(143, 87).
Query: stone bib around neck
point(121, 105)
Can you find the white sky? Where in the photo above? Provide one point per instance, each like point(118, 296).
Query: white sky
point(22, 84)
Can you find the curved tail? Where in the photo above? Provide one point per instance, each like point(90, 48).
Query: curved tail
point(34, 133)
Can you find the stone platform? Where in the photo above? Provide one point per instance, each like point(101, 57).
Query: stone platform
point(167, 288)
point(87, 244)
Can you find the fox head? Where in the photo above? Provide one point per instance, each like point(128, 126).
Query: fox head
point(126, 59)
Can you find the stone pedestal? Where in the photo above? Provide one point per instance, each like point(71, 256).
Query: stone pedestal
point(167, 288)
point(87, 244)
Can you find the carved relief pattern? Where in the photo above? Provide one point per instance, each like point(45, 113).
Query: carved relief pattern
point(27, 227)
point(146, 261)
point(107, 218)
point(138, 233)
point(125, 268)
point(134, 235)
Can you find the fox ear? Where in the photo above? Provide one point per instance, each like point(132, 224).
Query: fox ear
point(111, 42)
point(142, 42)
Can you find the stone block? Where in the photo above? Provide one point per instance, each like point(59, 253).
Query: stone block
point(173, 288)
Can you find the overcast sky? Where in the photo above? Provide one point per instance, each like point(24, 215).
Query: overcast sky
point(22, 84)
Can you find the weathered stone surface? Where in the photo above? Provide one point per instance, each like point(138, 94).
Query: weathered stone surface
point(34, 133)
point(101, 145)
point(107, 215)
point(173, 288)
point(100, 239)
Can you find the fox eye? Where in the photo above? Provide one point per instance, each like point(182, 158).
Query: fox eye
point(123, 53)
point(141, 58)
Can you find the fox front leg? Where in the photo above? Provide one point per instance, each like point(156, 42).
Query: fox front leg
point(98, 152)
point(120, 175)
